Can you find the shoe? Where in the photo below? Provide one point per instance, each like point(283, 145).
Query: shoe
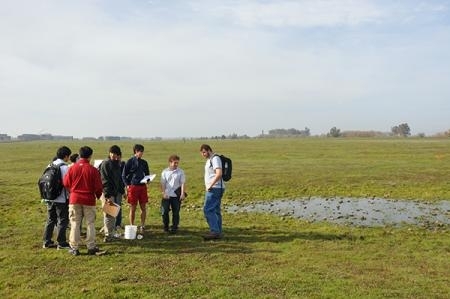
point(212, 236)
point(173, 230)
point(74, 251)
point(166, 229)
point(109, 239)
point(50, 244)
point(141, 229)
point(96, 251)
point(64, 245)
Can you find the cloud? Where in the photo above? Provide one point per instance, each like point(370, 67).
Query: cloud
point(305, 13)
point(278, 63)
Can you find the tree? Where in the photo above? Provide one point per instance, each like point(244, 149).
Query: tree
point(401, 130)
point(290, 132)
point(447, 133)
point(334, 132)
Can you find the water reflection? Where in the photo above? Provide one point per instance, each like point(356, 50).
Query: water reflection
point(355, 211)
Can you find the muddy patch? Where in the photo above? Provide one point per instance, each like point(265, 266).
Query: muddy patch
point(355, 211)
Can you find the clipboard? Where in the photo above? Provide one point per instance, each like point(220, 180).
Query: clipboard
point(111, 209)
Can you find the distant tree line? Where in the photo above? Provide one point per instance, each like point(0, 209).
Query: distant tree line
point(229, 136)
point(402, 130)
point(290, 132)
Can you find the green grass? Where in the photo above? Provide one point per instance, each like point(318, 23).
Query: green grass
point(261, 256)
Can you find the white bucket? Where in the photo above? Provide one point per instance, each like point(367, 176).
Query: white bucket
point(130, 232)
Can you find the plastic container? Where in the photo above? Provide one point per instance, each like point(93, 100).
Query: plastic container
point(130, 232)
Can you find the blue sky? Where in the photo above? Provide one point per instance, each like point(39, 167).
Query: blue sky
point(206, 68)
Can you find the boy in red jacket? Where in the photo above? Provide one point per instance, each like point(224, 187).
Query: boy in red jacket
point(85, 186)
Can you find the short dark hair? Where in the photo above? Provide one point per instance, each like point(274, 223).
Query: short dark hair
point(74, 157)
point(115, 150)
point(174, 158)
point(85, 152)
point(63, 152)
point(138, 148)
point(205, 147)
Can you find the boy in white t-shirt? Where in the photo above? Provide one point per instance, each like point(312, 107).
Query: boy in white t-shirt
point(173, 189)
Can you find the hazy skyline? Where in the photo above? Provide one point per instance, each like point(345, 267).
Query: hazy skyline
point(207, 68)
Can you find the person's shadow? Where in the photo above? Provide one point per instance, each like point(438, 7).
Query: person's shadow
point(235, 240)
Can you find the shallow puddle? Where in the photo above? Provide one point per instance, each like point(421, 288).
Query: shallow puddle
point(355, 211)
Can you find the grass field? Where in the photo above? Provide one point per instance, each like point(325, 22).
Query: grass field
point(261, 256)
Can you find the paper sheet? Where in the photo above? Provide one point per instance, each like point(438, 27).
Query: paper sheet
point(97, 163)
point(148, 178)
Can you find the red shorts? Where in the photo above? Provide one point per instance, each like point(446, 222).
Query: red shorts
point(137, 194)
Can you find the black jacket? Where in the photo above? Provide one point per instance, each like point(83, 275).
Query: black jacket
point(111, 172)
point(134, 171)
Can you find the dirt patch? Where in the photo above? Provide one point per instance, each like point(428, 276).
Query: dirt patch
point(355, 211)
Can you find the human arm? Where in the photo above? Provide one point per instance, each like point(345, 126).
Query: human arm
point(216, 165)
point(107, 181)
point(183, 191)
point(125, 174)
point(217, 178)
point(162, 186)
point(97, 181)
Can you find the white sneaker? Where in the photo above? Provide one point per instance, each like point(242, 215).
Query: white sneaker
point(141, 229)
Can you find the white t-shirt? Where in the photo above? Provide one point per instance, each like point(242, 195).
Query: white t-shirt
point(211, 165)
point(62, 198)
point(171, 180)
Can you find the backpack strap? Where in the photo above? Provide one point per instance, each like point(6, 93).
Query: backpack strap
point(210, 159)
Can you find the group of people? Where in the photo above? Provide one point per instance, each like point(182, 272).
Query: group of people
point(114, 179)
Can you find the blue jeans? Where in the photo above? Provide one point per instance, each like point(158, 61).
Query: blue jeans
point(211, 209)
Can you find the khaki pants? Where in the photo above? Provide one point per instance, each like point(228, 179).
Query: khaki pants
point(76, 213)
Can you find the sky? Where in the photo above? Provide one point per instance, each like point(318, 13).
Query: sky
point(210, 68)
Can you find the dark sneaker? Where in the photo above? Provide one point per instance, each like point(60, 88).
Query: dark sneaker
point(166, 229)
point(96, 251)
point(74, 252)
point(173, 230)
point(109, 239)
point(63, 246)
point(212, 236)
point(50, 244)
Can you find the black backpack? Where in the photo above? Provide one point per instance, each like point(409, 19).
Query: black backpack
point(50, 183)
point(227, 167)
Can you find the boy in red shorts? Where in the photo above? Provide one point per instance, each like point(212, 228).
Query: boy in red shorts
point(134, 171)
